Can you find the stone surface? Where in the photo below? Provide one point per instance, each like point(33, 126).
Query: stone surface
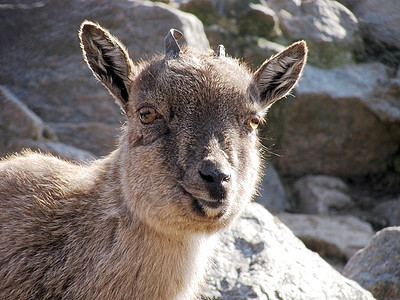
point(390, 211)
point(322, 194)
point(380, 18)
point(271, 191)
point(86, 135)
point(333, 236)
point(333, 127)
point(330, 29)
point(41, 61)
point(58, 149)
point(21, 128)
point(259, 20)
point(376, 267)
point(17, 120)
point(231, 8)
point(260, 258)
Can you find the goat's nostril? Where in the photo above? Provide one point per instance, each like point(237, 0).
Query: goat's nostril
point(213, 176)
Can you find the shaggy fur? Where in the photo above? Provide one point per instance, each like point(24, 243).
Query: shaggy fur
point(141, 223)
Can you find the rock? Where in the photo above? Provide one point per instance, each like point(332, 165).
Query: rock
point(360, 81)
point(355, 81)
point(376, 267)
point(330, 29)
point(58, 149)
point(231, 8)
point(21, 128)
point(390, 211)
point(272, 194)
point(17, 120)
point(333, 236)
point(380, 18)
point(259, 258)
point(203, 9)
point(322, 194)
point(218, 35)
point(259, 20)
point(41, 60)
point(85, 135)
point(333, 126)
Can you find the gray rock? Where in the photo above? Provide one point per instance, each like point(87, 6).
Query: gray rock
point(349, 81)
point(376, 267)
point(271, 191)
point(259, 20)
point(17, 120)
point(390, 211)
point(330, 29)
point(41, 61)
point(362, 81)
point(334, 126)
point(332, 236)
point(380, 18)
point(259, 258)
point(322, 194)
point(58, 149)
point(86, 135)
point(231, 8)
point(21, 128)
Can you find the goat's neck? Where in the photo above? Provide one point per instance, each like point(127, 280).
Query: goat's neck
point(168, 265)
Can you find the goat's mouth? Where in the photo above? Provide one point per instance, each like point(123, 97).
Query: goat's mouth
point(209, 209)
point(214, 209)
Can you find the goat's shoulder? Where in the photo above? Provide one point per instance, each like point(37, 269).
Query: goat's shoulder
point(32, 180)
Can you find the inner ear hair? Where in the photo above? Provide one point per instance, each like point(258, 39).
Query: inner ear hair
point(108, 59)
point(277, 76)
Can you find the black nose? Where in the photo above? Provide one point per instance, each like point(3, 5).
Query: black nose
point(212, 175)
point(215, 181)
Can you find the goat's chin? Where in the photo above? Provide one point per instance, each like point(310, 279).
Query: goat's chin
point(186, 215)
point(209, 215)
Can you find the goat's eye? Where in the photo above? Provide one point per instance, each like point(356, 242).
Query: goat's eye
point(253, 122)
point(147, 115)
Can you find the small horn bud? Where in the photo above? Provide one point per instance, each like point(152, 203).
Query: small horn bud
point(171, 46)
point(220, 51)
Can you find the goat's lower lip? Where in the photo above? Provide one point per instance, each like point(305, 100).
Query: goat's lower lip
point(209, 209)
point(200, 205)
point(211, 204)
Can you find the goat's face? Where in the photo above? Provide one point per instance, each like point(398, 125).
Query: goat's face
point(190, 150)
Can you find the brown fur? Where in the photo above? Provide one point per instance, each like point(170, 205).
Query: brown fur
point(141, 223)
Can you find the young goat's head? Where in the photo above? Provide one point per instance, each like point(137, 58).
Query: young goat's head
point(189, 153)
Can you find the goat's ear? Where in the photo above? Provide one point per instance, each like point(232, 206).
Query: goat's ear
point(108, 59)
point(277, 76)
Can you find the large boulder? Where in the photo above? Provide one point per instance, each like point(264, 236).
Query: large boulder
point(21, 128)
point(330, 29)
point(17, 121)
point(389, 211)
point(376, 267)
point(379, 19)
point(331, 236)
point(41, 61)
point(271, 193)
point(322, 195)
point(260, 258)
point(335, 126)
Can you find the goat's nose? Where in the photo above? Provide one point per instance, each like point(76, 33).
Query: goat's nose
point(212, 175)
point(215, 177)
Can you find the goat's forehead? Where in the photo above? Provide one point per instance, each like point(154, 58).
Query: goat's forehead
point(194, 78)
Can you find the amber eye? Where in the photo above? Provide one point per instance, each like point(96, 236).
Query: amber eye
point(253, 122)
point(147, 115)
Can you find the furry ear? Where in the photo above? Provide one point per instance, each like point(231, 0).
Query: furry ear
point(108, 59)
point(277, 76)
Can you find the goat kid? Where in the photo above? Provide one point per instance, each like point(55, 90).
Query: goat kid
point(141, 222)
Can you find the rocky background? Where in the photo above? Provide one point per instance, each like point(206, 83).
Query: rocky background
point(332, 148)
